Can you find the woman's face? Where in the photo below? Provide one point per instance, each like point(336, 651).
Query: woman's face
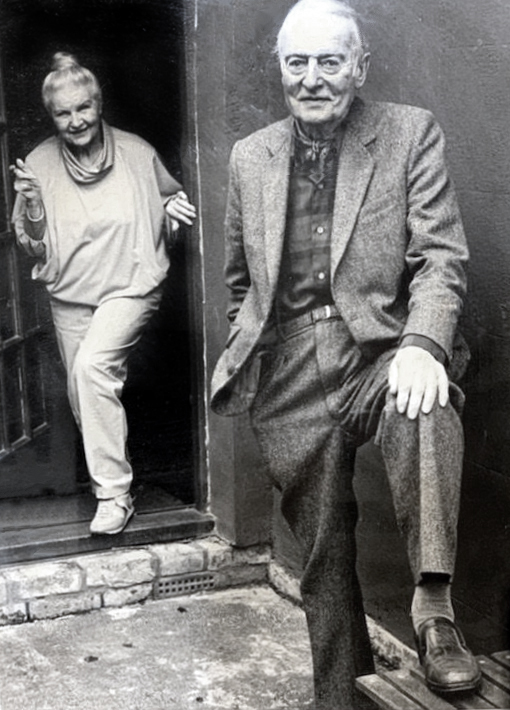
point(77, 116)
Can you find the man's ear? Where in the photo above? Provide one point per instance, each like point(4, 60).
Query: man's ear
point(362, 70)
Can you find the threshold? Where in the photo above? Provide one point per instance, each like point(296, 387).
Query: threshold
point(56, 526)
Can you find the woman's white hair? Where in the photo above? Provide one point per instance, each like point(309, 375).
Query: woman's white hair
point(66, 69)
point(337, 8)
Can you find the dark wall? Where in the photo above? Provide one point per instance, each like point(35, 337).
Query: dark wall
point(233, 89)
point(133, 46)
point(453, 58)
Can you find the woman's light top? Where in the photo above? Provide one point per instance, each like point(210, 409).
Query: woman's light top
point(104, 239)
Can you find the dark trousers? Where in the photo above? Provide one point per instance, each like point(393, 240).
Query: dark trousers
point(318, 400)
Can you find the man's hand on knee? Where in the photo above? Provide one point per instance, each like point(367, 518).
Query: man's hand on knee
point(417, 379)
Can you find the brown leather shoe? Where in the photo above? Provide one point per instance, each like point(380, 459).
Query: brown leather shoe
point(449, 665)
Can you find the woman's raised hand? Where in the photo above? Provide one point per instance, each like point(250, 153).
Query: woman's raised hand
point(180, 209)
point(26, 184)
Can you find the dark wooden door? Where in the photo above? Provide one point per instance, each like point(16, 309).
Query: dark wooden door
point(134, 47)
point(37, 439)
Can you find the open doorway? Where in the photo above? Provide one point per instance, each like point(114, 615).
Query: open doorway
point(135, 49)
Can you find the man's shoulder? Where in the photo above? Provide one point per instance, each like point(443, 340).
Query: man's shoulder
point(276, 129)
point(392, 116)
point(404, 111)
point(269, 137)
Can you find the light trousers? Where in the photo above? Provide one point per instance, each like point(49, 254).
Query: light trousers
point(94, 344)
point(318, 400)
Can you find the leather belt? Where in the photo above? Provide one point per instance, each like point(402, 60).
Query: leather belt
point(288, 328)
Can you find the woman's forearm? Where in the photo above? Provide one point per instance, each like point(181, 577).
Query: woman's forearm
point(35, 221)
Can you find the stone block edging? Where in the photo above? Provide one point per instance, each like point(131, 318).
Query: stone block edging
point(115, 578)
point(71, 585)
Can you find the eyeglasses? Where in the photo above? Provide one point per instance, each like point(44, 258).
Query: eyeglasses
point(330, 64)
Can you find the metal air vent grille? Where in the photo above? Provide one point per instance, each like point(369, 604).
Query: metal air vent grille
point(166, 587)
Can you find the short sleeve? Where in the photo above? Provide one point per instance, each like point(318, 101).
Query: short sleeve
point(167, 185)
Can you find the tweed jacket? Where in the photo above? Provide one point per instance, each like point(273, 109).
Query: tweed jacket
point(398, 250)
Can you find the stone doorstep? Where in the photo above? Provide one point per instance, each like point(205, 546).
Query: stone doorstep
point(72, 585)
point(77, 584)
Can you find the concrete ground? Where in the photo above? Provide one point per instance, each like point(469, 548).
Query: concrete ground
point(239, 649)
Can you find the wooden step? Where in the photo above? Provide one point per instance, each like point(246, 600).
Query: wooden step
point(405, 689)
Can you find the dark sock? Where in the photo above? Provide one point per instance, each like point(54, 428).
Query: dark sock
point(432, 597)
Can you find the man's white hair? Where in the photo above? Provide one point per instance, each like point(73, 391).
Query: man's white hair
point(337, 8)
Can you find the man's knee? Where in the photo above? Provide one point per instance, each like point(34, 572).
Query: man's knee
point(440, 427)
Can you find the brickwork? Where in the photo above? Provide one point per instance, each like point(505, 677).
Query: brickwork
point(122, 568)
point(45, 590)
point(53, 606)
point(127, 595)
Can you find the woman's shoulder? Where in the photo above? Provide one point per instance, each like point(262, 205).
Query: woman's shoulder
point(46, 151)
point(131, 143)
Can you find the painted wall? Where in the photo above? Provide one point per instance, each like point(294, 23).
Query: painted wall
point(232, 90)
point(451, 56)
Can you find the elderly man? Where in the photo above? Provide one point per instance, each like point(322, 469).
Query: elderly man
point(345, 259)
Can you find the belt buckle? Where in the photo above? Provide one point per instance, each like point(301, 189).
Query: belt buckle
point(324, 313)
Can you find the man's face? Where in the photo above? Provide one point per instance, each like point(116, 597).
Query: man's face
point(322, 66)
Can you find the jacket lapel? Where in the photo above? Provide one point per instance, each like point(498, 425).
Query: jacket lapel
point(275, 190)
point(355, 169)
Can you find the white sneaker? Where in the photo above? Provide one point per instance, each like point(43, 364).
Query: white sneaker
point(112, 515)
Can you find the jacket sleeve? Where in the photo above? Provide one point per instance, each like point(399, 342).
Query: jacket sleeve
point(437, 252)
point(237, 276)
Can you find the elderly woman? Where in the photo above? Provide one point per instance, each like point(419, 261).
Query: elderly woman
point(93, 206)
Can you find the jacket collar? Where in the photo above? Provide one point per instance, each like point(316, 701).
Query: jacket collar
point(359, 123)
point(355, 170)
point(275, 191)
point(358, 126)
point(280, 139)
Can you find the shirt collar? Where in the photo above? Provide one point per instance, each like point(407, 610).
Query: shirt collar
point(306, 148)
